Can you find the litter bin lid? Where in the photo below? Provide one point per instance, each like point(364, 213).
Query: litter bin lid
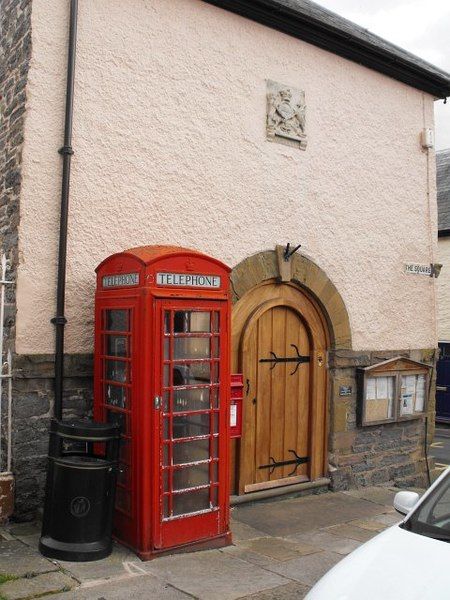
point(86, 429)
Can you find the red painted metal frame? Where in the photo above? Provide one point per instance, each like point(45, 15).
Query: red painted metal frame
point(143, 529)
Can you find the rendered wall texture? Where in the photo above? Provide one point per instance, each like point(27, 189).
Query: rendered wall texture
point(170, 147)
point(444, 289)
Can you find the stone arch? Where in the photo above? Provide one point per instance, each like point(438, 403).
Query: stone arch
point(302, 271)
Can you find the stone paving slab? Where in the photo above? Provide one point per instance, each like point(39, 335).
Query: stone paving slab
point(47, 583)
point(19, 560)
point(307, 569)
point(284, 517)
point(290, 591)
point(242, 531)
point(278, 548)
point(326, 541)
point(114, 565)
point(259, 560)
point(370, 524)
point(143, 587)
point(213, 575)
point(352, 532)
point(389, 519)
point(21, 529)
point(378, 495)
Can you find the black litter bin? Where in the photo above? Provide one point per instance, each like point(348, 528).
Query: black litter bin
point(79, 499)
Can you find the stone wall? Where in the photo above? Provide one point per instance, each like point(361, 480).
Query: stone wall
point(394, 452)
point(358, 456)
point(33, 408)
point(15, 53)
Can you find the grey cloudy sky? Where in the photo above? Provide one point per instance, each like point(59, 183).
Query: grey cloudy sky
point(419, 26)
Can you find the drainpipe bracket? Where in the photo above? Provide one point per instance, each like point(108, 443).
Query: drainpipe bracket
point(66, 150)
point(58, 320)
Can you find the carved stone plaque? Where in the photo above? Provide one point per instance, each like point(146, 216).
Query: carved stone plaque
point(286, 109)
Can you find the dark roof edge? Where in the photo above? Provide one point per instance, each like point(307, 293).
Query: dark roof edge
point(385, 58)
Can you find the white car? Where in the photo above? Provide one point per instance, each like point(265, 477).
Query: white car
point(409, 561)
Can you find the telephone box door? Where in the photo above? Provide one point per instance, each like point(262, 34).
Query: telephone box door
point(190, 412)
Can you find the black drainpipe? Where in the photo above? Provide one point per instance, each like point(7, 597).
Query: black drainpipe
point(66, 151)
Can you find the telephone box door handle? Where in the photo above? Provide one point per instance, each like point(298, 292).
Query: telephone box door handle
point(157, 402)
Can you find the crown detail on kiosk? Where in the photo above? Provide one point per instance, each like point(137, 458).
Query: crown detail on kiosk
point(162, 372)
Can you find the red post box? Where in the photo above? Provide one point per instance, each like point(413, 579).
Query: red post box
point(162, 370)
point(237, 394)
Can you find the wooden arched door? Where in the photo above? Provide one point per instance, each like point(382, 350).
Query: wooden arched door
point(282, 357)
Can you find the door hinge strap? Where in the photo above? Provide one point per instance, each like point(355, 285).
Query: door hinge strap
point(295, 359)
point(297, 461)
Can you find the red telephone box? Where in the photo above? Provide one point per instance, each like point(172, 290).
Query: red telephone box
point(162, 370)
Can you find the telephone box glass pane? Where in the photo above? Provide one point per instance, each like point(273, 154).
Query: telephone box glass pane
point(166, 430)
point(117, 320)
point(191, 425)
point(214, 397)
point(215, 447)
point(167, 321)
point(187, 321)
point(116, 370)
point(193, 399)
point(116, 395)
point(125, 450)
point(191, 502)
point(191, 347)
point(118, 417)
point(187, 452)
point(215, 347)
point(193, 373)
point(215, 322)
point(190, 477)
point(215, 472)
point(166, 507)
point(215, 496)
point(116, 345)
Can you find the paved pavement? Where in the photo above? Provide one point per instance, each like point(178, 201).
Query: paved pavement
point(440, 448)
point(281, 548)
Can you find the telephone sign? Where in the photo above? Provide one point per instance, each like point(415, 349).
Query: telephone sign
point(188, 280)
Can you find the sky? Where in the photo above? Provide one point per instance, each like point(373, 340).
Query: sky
point(419, 26)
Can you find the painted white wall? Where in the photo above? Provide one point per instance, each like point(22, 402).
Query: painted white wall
point(170, 147)
point(444, 289)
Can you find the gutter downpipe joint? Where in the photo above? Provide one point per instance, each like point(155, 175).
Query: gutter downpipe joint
point(66, 152)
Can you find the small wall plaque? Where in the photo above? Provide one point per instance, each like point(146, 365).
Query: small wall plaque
point(345, 390)
point(416, 269)
point(286, 114)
